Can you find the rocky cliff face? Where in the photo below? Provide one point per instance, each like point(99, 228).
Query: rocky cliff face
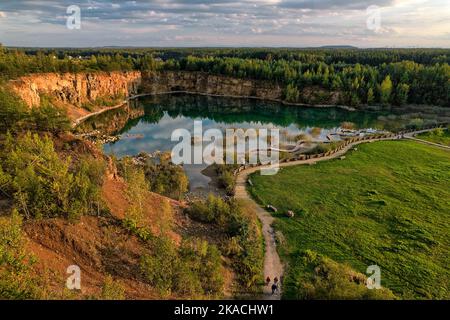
point(76, 89)
point(73, 90)
point(208, 84)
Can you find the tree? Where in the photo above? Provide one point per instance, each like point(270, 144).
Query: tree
point(292, 93)
point(12, 110)
point(160, 267)
point(17, 281)
point(402, 93)
point(370, 96)
point(41, 179)
point(49, 118)
point(386, 90)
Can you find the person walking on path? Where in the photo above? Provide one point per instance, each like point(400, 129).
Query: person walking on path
point(267, 280)
point(274, 288)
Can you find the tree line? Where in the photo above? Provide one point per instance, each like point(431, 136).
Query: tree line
point(360, 77)
point(396, 83)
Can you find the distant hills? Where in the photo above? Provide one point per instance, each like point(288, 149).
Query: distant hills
point(338, 47)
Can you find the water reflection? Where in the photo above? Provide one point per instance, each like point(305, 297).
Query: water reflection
point(146, 124)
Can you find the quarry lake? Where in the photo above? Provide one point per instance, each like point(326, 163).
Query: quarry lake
point(147, 123)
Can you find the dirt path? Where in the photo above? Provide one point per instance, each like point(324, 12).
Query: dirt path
point(411, 136)
point(272, 262)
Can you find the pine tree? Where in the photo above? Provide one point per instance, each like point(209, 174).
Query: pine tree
point(292, 93)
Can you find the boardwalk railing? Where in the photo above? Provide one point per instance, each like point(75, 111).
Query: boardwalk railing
point(346, 143)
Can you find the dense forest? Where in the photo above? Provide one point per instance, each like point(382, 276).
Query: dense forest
point(360, 77)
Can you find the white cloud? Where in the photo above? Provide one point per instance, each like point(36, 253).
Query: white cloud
point(226, 22)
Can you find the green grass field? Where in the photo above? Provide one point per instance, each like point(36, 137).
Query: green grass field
point(436, 136)
point(388, 203)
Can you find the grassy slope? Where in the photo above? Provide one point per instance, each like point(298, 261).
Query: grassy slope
point(387, 204)
point(441, 139)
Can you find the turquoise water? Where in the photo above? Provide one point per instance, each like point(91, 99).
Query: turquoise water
point(150, 122)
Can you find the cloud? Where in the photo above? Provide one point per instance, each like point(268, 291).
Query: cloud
point(334, 4)
point(224, 22)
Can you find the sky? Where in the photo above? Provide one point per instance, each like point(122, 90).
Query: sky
point(217, 23)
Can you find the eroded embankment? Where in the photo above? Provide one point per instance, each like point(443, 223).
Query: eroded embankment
point(74, 90)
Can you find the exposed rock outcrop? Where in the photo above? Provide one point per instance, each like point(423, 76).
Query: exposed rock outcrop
point(156, 82)
point(73, 90)
point(76, 88)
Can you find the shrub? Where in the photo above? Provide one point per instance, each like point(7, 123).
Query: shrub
point(165, 218)
point(233, 247)
point(16, 281)
point(326, 279)
point(292, 93)
point(12, 110)
point(226, 179)
point(415, 123)
point(316, 131)
point(5, 182)
point(201, 212)
point(160, 266)
point(347, 125)
point(86, 187)
point(167, 179)
point(439, 132)
point(164, 178)
point(324, 147)
point(191, 270)
point(49, 118)
point(216, 210)
point(112, 290)
point(14, 114)
point(132, 226)
point(228, 182)
point(205, 260)
point(137, 189)
point(245, 246)
point(303, 137)
point(43, 184)
point(41, 180)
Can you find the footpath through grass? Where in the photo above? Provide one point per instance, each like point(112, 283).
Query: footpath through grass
point(388, 203)
point(439, 136)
